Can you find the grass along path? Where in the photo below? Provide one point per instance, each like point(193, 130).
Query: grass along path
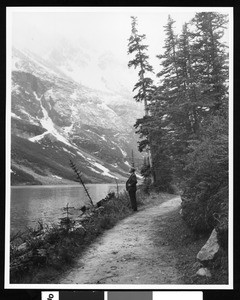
point(132, 252)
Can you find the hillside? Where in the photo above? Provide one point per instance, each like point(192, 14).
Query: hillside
point(55, 119)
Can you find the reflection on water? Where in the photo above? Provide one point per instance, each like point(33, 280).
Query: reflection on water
point(44, 203)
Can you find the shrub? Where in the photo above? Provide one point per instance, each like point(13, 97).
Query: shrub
point(106, 222)
point(57, 246)
point(205, 198)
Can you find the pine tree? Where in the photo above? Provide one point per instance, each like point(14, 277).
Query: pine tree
point(171, 92)
point(193, 82)
point(170, 70)
point(188, 79)
point(191, 100)
point(205, 180)
point(169, 115)
point(144, 86)
point(210, 61)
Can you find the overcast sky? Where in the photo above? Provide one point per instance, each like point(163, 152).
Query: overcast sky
point(105, 29)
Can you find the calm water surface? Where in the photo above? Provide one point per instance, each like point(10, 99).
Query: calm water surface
point(30, 204)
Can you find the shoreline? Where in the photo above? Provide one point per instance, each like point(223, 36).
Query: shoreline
point(44, 251)
point(67, 185)
point(51, 259)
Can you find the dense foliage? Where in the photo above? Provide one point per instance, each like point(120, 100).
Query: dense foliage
point(187, 124)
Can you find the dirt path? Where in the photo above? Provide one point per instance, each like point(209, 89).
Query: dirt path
point(132, 252)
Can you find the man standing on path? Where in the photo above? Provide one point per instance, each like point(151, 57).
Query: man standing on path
point(131, 187)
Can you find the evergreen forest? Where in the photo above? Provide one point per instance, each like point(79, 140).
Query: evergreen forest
point(185, 126)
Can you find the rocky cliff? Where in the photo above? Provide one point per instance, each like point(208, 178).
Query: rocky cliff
point(54, 119)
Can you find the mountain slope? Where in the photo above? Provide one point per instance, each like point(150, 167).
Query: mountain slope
point(55, 119)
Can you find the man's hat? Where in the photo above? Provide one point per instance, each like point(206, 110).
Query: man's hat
point(132, 170)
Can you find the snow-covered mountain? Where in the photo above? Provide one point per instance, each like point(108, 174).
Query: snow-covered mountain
point(70, 104)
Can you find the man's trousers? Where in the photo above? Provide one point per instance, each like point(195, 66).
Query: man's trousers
point(132, 195)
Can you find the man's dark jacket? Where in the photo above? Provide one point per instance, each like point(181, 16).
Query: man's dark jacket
point(131, 183)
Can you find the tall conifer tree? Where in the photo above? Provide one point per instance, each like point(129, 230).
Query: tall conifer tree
point(210, 61)
point(144, 86)
point(136, 46)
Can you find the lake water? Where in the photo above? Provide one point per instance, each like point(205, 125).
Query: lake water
point(30, 204)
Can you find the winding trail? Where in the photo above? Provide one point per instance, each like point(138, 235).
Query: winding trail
point(132, 252)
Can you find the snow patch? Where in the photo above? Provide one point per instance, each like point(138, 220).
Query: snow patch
point(49, 93)
point(55, 176)
point(124, 153)
point(48, 124)
point(15, 116)
point(114, 165)
point(66, 150)
point(36, 96)
point(81, 154)
point(16, 89)
point(101, 136)
point(127, 163)
point(11, 171)
point(30, 118)
point(67, 129)
point(94, 170)
point(38, 137)
point(105, 170)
